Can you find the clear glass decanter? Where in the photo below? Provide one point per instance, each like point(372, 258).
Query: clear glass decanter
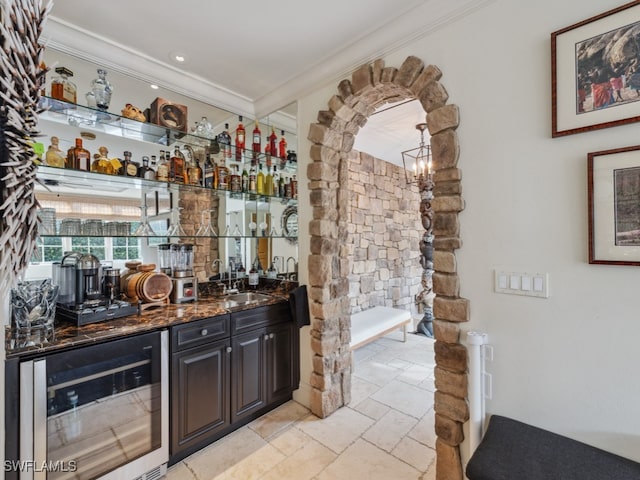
point(102, 90)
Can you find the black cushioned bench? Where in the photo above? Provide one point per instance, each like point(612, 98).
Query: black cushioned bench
point(512, 450)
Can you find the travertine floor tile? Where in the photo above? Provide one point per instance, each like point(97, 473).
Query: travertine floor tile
point(424, 431)
point(225, 453)
point(408, 399)
point(363, 460)
point(389, 430)
point(414, 453)
point(307, 462)
point(376, 372)
point(179, 471)
point(254, 466)
point(361, 389)
point(372, 409)
point(337, 431)
point(290, 441)
point(278, 419)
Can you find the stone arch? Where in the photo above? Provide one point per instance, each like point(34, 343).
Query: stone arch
point(332, 137)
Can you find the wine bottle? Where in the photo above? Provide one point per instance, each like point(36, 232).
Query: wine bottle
point(240, 140)
point(260, 181)
point(257, 137)
point(282, 146)
point(273, 143)
point(268, 183)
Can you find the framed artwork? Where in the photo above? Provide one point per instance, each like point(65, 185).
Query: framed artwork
point(595, 72)
point(614, 209)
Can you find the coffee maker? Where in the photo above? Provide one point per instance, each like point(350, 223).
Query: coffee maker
point(84, 301)
point(185, 284)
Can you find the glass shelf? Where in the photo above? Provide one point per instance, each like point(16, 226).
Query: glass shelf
point(52, 177)
point(194, 237)
point(112, 124)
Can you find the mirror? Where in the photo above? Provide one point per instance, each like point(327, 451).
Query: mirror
point(226, 210)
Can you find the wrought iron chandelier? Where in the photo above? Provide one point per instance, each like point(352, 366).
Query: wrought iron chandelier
point(417, 161)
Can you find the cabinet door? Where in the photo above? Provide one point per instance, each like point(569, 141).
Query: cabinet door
point(199, 394)
point(248, 388)
point(281, 355)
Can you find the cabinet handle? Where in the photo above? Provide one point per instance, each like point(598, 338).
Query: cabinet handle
point(229, 349)
point(266, 337)
point(203, 332)
point(271, 335)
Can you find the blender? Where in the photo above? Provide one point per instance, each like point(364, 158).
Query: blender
point(185, 287)
point(164, 258)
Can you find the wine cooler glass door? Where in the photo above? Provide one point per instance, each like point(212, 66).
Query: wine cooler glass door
point(102, 408)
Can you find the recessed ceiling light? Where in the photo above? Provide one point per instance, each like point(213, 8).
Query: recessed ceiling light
point(178, 57)
point(154, 86)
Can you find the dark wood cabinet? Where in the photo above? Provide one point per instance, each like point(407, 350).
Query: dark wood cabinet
point(229, 370)
point(199, 394)
point(248, 389)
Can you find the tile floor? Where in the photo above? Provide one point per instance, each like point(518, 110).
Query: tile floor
point(386, 432)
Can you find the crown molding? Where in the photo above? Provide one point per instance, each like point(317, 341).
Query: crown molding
point(73, 40)
point(398, 33)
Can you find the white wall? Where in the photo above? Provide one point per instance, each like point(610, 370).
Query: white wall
point(567, 363)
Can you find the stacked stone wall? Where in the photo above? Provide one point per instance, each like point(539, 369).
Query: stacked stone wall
point(384, 232)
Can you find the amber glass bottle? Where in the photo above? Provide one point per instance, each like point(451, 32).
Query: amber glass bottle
point(79, 157)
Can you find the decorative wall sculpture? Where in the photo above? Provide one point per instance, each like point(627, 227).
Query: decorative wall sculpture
point(21, 23)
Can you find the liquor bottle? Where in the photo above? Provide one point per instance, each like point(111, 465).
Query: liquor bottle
point(282, 190)
point(236, 180)
point(130, 167)
point(223, 176)
point(245, 180)
point(208, 171)
point(268, 183)
point(101, 163)
point(153, 165)
point(257, 137)
point(294, 187)
point(240, 140)
point(145, 171)
point(267, 152)
point(54, 156)
point(177, 170)
point(194, 172)
point(260, 181)
point(282, 146)
point(254, 277)
point(287, 188)
point(79, 157)
point(224, 140)
point(273, 143)
point(276, 182)
point(162, 173)
point(253, 179)
point(62, 88)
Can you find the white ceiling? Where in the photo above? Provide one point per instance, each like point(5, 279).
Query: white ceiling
point(251, 57)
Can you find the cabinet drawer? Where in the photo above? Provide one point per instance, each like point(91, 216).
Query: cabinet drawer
point(199, 332)
point(260, 317)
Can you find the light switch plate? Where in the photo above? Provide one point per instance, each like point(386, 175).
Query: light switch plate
point(522, 283)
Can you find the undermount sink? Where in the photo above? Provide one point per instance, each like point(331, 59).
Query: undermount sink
point(246, 297)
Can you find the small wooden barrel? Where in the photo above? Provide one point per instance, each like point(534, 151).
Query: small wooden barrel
point(149, 287)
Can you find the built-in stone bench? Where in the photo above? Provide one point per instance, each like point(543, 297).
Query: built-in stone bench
point(376, 322)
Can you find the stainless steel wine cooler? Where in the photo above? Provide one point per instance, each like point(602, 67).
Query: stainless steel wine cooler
point(99, 411)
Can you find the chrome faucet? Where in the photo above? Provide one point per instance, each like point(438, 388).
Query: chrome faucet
point(295, 268)
point(220, 266)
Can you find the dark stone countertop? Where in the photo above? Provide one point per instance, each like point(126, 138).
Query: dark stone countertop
point(154, 318)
